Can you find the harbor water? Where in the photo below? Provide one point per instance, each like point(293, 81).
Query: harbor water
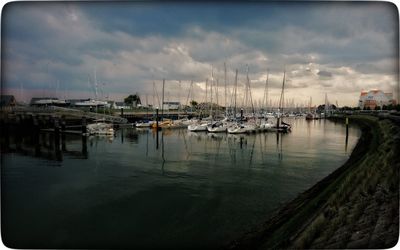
point(171, 189)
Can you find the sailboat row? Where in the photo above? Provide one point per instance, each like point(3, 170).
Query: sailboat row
point(228, 121)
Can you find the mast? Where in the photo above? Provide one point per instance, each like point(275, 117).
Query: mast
point(265, 101)
point(235, 91)
point(206, 93)
point(155, 93)
point(249, 89)
point(281, 100)
point(211, 90)
point(326, 105)
point(179, 96)
point(226, 109)
point(95, 83)
point(162, 107)
point(190, 91)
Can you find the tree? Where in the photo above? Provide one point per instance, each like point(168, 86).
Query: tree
point(133, 99)
point(193, 103)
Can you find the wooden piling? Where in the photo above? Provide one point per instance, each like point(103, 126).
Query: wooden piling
point(63, 129)
point(84, 129)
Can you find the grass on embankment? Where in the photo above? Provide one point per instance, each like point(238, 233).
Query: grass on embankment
point(351, 208)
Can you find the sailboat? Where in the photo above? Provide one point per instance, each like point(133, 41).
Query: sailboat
point(281, 126)
point(215, 126)
point(265, 124)
point(237, 127)
point(100, 126)
point(310, 115)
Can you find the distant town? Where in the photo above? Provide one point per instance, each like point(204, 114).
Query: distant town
point(373, 99)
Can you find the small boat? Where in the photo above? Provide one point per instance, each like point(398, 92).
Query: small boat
point(198, 127)
point(162, 124)
point(217, 127)
point(237, 129)
point(144, 124)
point(311, 116)
point(268, 126)
point(282, 127)
point(100, 128)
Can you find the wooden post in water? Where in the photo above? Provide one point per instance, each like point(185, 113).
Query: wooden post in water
point(122, 112)
point(36, 132)
point(56, 132)
point(84, 130)
point(157, 118)
point(63, 130)
point(5, 126)
point(347, 132)
point(57, 139)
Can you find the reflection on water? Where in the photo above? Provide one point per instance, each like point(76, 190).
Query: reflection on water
point(168, 188)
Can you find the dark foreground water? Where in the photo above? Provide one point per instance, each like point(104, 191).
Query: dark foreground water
point(187, 190)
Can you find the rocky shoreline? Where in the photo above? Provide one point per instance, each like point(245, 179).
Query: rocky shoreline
point(356, 206)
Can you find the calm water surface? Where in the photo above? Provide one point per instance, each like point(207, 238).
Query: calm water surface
point(186, 190)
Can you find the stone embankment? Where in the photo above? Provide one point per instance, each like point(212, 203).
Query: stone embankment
point(357, 206)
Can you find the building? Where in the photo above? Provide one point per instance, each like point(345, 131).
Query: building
point(375, 98)
point(171, 105)
point(120, 105)
point(48, 101)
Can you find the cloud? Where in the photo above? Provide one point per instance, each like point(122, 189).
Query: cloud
point(335, 47)
point(324, 74)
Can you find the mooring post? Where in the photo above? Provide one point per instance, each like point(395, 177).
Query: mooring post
point(122, 112)
point(84, 147)
point(5, 130)
point(36, 133)
point(18, 129)
point(241, 114)
point(63, 131)
point(157, 118)
point(57, 134)
point(84, 130)
point(347, 132)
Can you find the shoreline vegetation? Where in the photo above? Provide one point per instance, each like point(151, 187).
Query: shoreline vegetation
point(356, 206)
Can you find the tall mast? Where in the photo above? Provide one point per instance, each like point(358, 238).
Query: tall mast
point(249, 90)
point(225, 85)
point(265, 101)
point(281, 99)
point(95, 83)
point(236, 77)
point(190, 91)
point(206, 93)
point(211, 91)
point(162, 104)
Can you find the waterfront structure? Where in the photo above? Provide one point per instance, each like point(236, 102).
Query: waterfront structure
point(120, 105)
point(48, 101)
point(375, 98)
point(171, 105)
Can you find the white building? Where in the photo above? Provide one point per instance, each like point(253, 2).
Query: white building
point(375, 98)
point(171, 105)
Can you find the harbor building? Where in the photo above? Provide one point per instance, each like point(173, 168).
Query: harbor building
point(171, 105)
point(375, 98)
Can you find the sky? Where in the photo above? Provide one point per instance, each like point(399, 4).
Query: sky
point(66, 49)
